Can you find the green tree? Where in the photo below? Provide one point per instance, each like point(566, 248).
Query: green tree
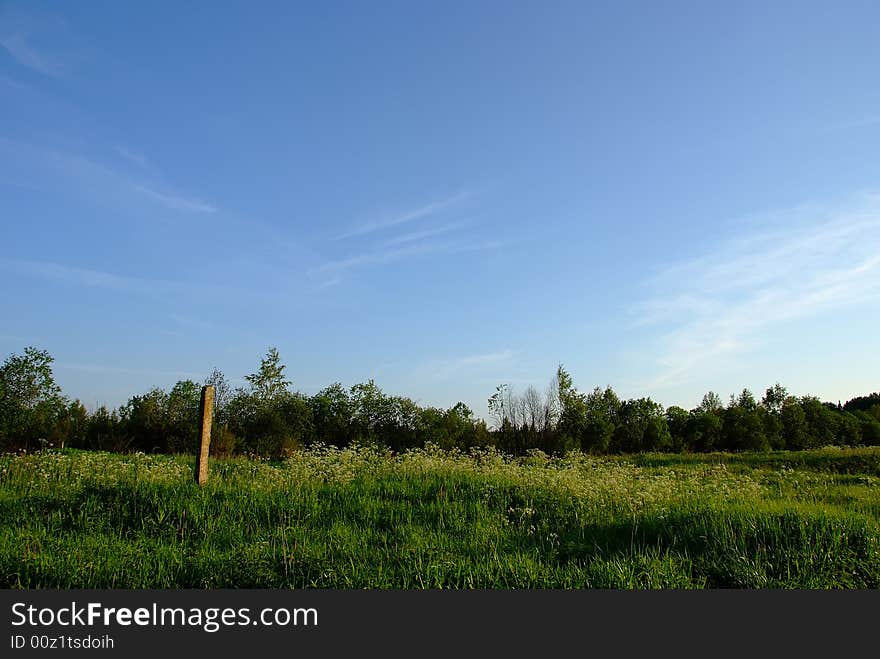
point(399, 424)
point(269, 382)
point(498, 406)
point(864, 404)
point(711, 403)
point(572, 410)
point(297, 429)
point(264, 419)
point(184, 401)
point(794, 430)
point(869, 428)
point(372, 411)
point(849, 432)
point(677, 422)
point(821, 423)
point(774, 398)
point(145, 419)
point(601, 418)
point(72, 428)
point(772, 404)
point(30, 401)
point(743, 425)
point(223, 439)
point(332, 414)
point(704, 430)
point(641, 426)
point(462, 430)
point(222, 393)
point(106, 432)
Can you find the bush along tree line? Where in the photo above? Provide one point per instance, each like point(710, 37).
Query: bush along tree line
point(268, 419)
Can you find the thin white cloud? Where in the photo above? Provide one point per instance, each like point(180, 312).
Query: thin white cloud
point(865, 121)
point(78, 276)
point(468, 364)
point(102, 368)
point(176, 202)
point(14, 84)
point(135, 158)
point(381, 256)
point(401, 246)
point(41, 41)
point(333, 281)
point(717, 308)
point(72, 173)
point(477, 246)
point(88, 278)
point(17, 45)
point(403, 218)
point(481, 359)
point(336, 268)
point(421, 235)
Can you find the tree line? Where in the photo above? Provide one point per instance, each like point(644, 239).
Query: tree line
point(267, 418)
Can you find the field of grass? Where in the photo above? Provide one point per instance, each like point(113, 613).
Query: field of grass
point(359, 518)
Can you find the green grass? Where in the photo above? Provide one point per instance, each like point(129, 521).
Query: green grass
point(864, 461)
point(426, 519)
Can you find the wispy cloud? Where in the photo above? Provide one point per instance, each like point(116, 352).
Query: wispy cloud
point(426, 241)
point(135, 158)
point(39, 41)
point(85, 277)
point(73, 173)
point(403, 218)
point(176, 202)
point(336, 268)
point(415, 236)
point(18, 46)
point(328, 283)
point(376, 257)
point(12, 84)
point(191, 291)
point(865, 121)
point(103, 368)
point(455, 366)
point(718, 307)
point(78, 277)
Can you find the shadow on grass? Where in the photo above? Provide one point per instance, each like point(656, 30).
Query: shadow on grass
point(740, 548)
point(835, 461)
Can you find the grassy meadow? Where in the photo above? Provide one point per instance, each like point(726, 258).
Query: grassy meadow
point(362, 518)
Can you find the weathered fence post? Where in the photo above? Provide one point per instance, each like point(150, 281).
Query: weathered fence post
point(207, 410)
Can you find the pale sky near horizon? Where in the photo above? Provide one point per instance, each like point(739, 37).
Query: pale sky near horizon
point(444, 196)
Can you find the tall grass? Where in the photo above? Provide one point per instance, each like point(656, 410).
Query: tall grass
point(360, 518)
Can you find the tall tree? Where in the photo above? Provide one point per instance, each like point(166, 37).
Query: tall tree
point(183, 416)
point(772, 404)
point(269, 382)
point(30, 401)
point(602, 414)
point(774, 398)
point(711, 403)
point(677, 422)
point(222, 392)
point(572, 412)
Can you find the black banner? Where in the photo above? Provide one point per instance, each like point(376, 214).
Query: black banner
point(397, 623)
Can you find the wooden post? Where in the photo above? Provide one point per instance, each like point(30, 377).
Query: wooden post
point(207, 411)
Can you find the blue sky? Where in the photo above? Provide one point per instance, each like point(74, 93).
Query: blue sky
point(444, 196)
